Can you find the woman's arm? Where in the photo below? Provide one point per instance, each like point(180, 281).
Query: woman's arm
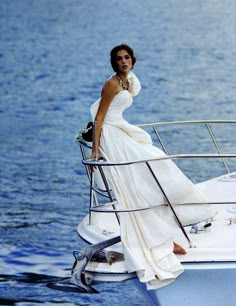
point(109, 90)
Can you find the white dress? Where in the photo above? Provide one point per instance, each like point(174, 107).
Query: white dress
point(147, 236)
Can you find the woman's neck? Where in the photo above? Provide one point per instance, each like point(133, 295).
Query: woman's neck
point(123, 76)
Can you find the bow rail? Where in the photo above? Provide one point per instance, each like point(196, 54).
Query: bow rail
point(105, 191)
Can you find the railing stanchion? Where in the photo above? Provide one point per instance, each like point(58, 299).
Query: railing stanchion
point(160, 140)
point(216, 145)
point(108, 191)
point(170, 206)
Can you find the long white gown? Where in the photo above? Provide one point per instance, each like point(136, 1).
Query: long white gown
point(147, 236)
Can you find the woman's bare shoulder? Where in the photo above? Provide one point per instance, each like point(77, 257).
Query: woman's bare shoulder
point(111, 85)
point(111, 82)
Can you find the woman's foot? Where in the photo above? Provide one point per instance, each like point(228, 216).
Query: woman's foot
point(179, 250)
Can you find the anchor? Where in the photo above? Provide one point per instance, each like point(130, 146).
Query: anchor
point(78, 282)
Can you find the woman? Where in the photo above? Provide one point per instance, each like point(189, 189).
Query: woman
point(147, 236)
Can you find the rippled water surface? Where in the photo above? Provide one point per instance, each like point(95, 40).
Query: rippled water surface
point(54, 58)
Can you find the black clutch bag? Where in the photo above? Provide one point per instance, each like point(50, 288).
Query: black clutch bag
point(87, 133)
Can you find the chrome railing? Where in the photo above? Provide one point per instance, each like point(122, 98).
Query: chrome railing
point(206, 123)
point(106, 190)
point(100, 208)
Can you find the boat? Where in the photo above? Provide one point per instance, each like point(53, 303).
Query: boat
point(210, 263)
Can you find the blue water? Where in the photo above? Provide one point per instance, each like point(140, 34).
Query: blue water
point(54, 58)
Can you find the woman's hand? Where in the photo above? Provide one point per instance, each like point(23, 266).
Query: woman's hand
point(95, 156)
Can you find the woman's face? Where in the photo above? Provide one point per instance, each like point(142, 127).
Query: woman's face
point(123, 61)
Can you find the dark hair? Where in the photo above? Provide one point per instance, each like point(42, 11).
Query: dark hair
point(119, 48)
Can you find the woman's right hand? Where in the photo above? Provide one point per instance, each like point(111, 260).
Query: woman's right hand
point(94, 156)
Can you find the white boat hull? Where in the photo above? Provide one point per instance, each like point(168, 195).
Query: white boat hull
point(208, 284)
